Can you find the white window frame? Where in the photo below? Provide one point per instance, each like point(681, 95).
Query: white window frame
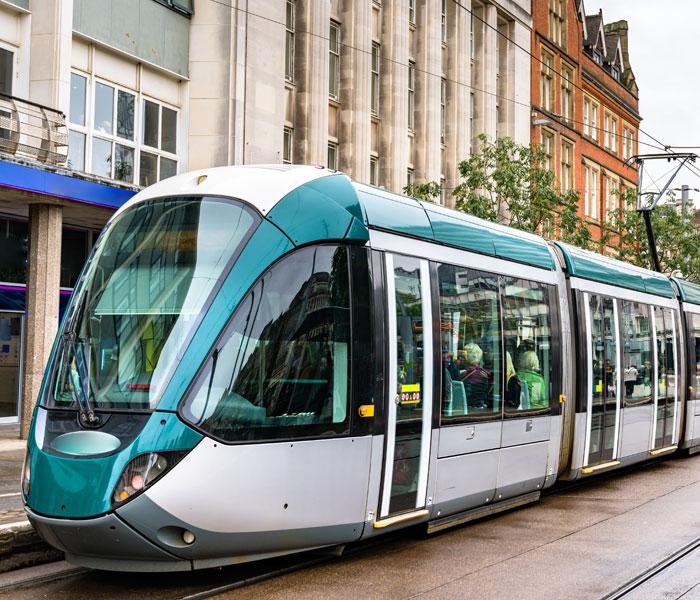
point(332, 150)
point(443, 109)
point(287, 145)
point(411, 95)
point(334, 76)
point(137, 143)
point(547, 81)
point(548, 137)
point(375, 74)
point(289, 39)
point(592, 185)
point(374, 170)
point(567, 95)
point(567, 165)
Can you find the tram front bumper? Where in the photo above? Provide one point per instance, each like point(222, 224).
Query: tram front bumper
point(105, 542)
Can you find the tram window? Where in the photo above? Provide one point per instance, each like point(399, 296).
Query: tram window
point(665, 347)
point(527, 325)
point(470, 338)
point(282, 369)
point(637, 355)
point(694, 359)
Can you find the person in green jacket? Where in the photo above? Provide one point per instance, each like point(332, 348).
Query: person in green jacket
point(529, 373)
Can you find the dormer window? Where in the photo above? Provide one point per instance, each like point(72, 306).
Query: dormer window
point(615, 71)
point(597, 56)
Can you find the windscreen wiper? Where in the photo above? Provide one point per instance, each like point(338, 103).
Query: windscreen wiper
point(79, 372)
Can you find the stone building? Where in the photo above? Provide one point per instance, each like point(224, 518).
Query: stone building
point(389, 92)
point(101, 97)
point(585, 104)
point(93, 104)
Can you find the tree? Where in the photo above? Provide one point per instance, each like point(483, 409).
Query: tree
point(509, 183)
point(677, 238)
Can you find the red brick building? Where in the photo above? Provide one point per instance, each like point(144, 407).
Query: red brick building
point(585, 104)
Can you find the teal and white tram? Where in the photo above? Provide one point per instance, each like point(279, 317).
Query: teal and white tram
point(264, 360)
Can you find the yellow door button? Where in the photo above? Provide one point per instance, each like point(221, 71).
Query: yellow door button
point(366, 410)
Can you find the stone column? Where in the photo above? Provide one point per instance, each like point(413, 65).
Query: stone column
point(520, 78)
point(355, 61)
point(458, 132)
point(216, 94)
point(51, 43)
point(490, 63)
point(311, 106)
point(428, 82)
point(43, 280)
point(393, 143)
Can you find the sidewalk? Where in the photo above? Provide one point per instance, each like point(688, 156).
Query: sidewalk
point(20, 546)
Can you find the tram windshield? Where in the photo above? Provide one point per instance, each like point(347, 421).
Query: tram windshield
point(142, 295)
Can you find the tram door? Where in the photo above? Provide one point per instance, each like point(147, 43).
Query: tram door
point(603, 379)
point(410, 370)
point(666, 397)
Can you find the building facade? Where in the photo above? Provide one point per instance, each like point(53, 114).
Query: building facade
point(101, 97)
point(390, 92)
point(93, 105)
point(585, 105)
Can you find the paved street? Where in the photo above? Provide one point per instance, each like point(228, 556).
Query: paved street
point(584, 541)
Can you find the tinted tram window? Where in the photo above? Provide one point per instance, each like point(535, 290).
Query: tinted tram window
point(527, 325)
point(665, 375)
point(282, 367)
point(637, 355)
point(470, 338)
point(694, 358)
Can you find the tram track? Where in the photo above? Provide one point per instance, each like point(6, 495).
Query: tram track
point(627, 590)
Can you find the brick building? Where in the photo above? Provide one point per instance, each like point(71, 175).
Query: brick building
point(585, 104)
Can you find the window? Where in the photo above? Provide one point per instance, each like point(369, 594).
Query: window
point(409, 177)
point(412, 12)
point(411, 95)
point(287, 145)
point(470, 341)
point(546, 82)
point(628, 148)
point(665, 324)
point(289, 42)
point(527, 332)
point(282, 367)
point(598, 56)
point(586, 117)
point(613, 134)
point(590, 118)
point(567, 165)
point(333, 156)
point(373, 170)
point(637, 356)
point(594, 121)
point(693, 321)
point(104, 140)
point(548, 149)
point(472, 121)
point(375, 80)
point(567, 93)
point(607, 131)
point(590, 205)
point(472, 38)
point(557, 30)
point(7, 61)
point(334, 61)
point(611, 195)
point(443, 109)
point(443, 21)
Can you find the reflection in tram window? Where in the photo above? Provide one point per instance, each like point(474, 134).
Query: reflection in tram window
point(470, 342)
point(694, 359)
point(282, 369)
point(637, 356)
point(528, 341)
point(604, 348)
point(665, 376)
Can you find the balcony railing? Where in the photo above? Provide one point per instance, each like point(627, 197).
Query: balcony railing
point(32, 132)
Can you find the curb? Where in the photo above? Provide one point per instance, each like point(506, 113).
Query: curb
point(21, 546)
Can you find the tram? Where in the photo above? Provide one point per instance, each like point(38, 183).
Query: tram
point(266, 360)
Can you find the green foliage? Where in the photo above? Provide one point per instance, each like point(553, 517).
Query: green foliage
point(677, 237)
point(508, 183)
point(429, 191)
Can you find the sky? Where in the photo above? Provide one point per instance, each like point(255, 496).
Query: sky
point(663, 38)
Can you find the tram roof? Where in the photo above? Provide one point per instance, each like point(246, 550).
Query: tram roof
point(689, 292)
point(603, 269)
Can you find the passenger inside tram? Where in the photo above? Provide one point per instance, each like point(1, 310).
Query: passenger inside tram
point(529, 373)
point(476, 379)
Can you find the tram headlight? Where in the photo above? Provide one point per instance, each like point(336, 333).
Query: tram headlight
point(141, 472)
point(26, 476)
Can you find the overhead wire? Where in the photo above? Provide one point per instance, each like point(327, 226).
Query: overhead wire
point(529, 106)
